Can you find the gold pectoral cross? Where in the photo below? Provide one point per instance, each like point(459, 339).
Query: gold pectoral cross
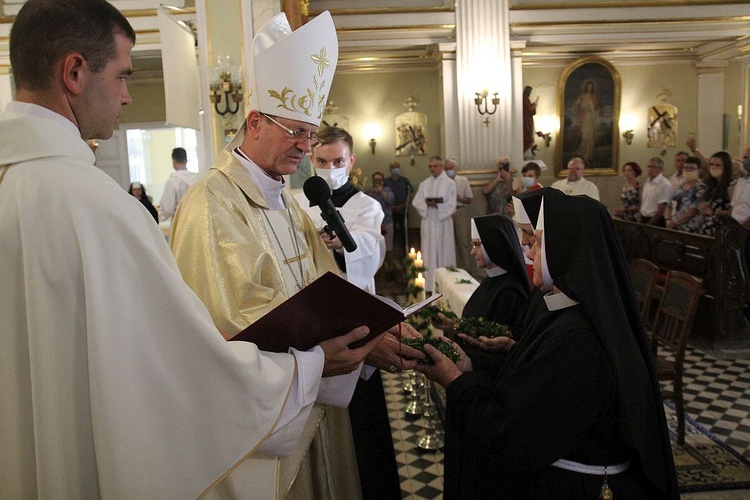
point(296, 258)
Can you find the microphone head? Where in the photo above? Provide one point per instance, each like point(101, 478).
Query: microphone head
point(316, 190)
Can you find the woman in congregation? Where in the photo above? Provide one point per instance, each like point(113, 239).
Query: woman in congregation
point(502, 296)
point(576, 410)
point(498, 188)
point(630, 196)
point(683, 213)
point(530, 174)
point(137, 190)
point(717, 199)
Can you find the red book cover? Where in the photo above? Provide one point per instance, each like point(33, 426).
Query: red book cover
point(328, 307)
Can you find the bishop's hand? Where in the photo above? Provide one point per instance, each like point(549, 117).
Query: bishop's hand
point(340, 359)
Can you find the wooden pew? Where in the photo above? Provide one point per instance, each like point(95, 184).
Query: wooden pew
point(719, 261)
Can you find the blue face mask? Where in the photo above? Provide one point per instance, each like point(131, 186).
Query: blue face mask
point(450, 173)
point(395, 171)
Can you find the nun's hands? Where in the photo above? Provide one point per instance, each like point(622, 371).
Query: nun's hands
point(497, 344)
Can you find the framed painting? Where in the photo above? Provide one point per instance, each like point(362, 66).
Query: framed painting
point(589, 110)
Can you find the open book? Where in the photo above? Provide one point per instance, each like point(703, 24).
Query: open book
point(328, 307)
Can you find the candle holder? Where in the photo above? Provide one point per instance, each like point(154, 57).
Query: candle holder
point(415, 407)
point(413, 383)
point(433, 438)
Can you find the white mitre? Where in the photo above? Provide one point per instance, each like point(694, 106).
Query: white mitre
point(292, 71)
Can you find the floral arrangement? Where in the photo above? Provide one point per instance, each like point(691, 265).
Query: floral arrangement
point(356, 178)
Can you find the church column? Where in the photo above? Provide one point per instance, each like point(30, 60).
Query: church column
point(483, 64)
point(449, 101)
point(710, 105)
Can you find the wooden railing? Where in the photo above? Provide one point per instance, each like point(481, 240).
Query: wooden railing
point(719, 261)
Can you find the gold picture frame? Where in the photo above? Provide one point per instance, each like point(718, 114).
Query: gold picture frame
point(589, 110)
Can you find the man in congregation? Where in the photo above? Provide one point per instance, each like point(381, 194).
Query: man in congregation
point(741, 195)
point(402, 191)
point(245, 245)
point(461, 219)
point(656, 194)
point(575, 184)
point(177, 185)
point(116, 383)
point(436, 201)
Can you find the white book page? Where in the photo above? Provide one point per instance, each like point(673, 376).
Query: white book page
point(412, 308)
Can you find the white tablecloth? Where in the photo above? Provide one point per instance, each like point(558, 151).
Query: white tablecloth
point(455, 290)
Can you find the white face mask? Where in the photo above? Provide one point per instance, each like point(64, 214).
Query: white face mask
point(450, 173)
point(528, 181)
point(334, 177)
point(689, 175)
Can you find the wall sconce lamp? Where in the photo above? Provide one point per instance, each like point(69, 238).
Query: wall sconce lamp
point(223, 84)
point(546, 136)
point(372, 130)
point(480, 99)
point(628, 135)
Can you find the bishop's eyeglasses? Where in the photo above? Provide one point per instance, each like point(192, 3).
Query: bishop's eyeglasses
point(297, 136)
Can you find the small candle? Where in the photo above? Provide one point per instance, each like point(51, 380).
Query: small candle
point(412, 254)
point(419, 280)
point(418, 261)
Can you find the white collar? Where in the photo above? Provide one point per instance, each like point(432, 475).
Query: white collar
point(655, 179)
point(557, 301)
point(493, 272)
point(271, 188)
point(28, 108)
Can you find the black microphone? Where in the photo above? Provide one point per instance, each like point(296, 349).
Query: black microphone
point(317, 191)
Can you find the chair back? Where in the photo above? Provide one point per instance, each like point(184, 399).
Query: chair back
point(674, 318)
point(643, 276)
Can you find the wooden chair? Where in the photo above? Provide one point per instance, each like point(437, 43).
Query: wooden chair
point(671, 330)
point(643, 275)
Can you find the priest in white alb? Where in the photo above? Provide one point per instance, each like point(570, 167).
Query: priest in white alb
point(332, 160)
point(436, 202)
point(115, 381)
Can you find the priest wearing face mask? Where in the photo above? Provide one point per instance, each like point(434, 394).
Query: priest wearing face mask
point(333, 160)
point(576, 410)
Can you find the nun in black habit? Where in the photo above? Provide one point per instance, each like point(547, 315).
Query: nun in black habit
point(502, 296)
point(576, 411)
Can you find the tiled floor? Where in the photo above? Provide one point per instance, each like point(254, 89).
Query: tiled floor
point(717, 396)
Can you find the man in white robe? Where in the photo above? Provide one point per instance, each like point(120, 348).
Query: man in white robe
point(177, 184)
point(116, 383)
point(333, 160)
point(436, 202)
point(575, 184)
